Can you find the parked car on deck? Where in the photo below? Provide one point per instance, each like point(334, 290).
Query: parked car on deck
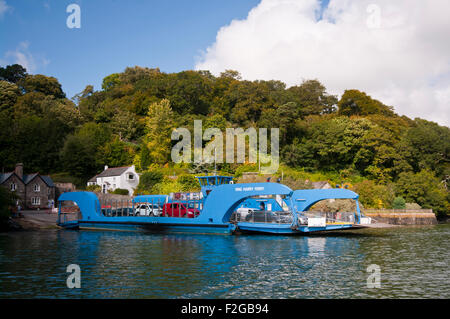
point(179, 210)
point(148, 209)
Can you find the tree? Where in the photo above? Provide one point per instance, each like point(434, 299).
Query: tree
point(354, 102)
point(115, 153)
point(188, 183)
point(428, 147)
point(13, 73)
point(40, 83)
point(312, 98)
point(83, 153)
point(9, 92)
point(425, 189)
point(399, 203)
point(160, 122)
point(7, 201)
point(373, 195)
point(148, 180)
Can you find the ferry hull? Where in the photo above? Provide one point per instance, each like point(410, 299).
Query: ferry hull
point(288, 229)
point(159, 228)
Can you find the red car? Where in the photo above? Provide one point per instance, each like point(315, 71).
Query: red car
point(180, 210)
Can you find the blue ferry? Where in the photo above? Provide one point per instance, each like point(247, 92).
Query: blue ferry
point(220, 207)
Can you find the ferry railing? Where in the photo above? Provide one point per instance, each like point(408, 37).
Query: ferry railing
point(155, 207)
point(263, 216)
point(332, 217)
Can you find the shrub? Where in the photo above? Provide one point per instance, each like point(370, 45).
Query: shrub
point(120, 191)
point(425, 189)
point(399, 203)
point(188, 183)
point(373, 195)
point(7, 201)
point(93, 188)
point(148, 180)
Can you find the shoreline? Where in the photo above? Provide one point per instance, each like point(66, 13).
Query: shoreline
point(42, 220)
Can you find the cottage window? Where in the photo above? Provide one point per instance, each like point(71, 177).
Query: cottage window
point(35, 200)
point(130, 176)
point(37, 188)
point(13, 187)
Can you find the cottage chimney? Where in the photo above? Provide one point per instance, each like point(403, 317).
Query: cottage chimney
point(106, 167)
point(19, 170)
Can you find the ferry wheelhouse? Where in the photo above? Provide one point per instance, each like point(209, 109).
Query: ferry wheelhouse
point(220, 207)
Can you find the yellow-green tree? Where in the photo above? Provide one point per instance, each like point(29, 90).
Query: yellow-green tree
point(160, 123)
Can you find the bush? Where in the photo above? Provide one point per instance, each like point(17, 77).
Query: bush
point(188, 183)
point(148, 180)
point(425, 189)
point(412, 206)
point(7, 202)
point(399, 203)
point(93, 188)
point(120, 191)
point(373, 195)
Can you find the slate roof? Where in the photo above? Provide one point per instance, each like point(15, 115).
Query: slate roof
point(93, 179)
point(28, 178)
point(113, 171)
point(48, 180)
point(4, 176)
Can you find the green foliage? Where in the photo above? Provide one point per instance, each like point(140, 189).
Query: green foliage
point(95, 188)
point(356, 140)
point(120, 191)
point(354, 102)
point(44, 84)
point(110, 81)
point(13, 73)
point(9, 92)
point(399, 203)
point(159, 129)
point(428, 147)
point(7, 202)
point(373, 195)
point(425, 189)
point(148, 180)
point(86, 151)
point(188, 183)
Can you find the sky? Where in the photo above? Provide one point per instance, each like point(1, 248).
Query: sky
point(397, 51)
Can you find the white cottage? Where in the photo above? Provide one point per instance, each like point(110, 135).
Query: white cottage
point(116, 177)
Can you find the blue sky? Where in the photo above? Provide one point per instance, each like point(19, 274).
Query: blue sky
point(169, 34)
point(402, 61)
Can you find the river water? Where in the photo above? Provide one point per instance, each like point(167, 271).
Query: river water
point(413, 263)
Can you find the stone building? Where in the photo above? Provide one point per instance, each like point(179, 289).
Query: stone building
point(33, 190)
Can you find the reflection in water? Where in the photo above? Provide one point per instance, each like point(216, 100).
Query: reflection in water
point(413, 261)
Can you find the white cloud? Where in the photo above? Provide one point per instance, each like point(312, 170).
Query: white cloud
point(396, 51)
point(4, 8)
point(22, 55)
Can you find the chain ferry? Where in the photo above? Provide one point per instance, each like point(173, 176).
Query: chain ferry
point(220, 207)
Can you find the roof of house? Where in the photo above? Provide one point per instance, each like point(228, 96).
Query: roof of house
point(113, 171)
point(28, 178)
point(4, 176)
point(48, 180)
point(93, 179)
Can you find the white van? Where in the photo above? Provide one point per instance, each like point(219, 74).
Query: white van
point(148, 210)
